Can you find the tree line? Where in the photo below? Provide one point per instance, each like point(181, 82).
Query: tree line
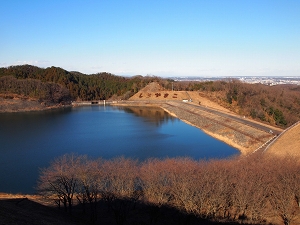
point(248, 190)
point(98, 86)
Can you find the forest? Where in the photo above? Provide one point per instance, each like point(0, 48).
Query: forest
point(258, 189)
point(80, 86)
point(276, 105)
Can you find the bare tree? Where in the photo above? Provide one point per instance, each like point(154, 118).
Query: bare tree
point(284, 191)
point(119, 186)
point(155, 175)
point(59, 180)
point(243, 189)
point(89, 175)
point(218, 188)
point(120, 177)
point(183, 173)
point(249, 188)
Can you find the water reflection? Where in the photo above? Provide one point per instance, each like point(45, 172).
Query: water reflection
point(29, 141)
point(153, 114)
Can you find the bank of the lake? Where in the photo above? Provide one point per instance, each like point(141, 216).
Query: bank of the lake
point(240, 142)
point(242, 136)
point(11, 103)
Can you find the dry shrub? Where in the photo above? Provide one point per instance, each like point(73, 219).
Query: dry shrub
point(155, 176)
point(120, 177)
point(284, 180)
point(250, 189)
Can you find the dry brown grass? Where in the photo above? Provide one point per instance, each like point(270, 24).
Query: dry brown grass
point(199, 98)
point(154, 91)
point(287, 144)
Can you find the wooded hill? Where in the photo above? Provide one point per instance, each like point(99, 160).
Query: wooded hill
point(43, 83)
point(277, 105)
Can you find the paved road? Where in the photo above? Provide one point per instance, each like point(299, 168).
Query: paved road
point(236, 118)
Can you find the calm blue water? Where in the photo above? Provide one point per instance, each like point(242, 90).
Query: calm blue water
point(29, 141)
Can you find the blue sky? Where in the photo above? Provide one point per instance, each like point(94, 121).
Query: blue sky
point(154, 37)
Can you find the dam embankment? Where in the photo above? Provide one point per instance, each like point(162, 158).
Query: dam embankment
point(245, 135)
point(242, 134)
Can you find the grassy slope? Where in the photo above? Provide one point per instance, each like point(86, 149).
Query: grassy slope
point(288, 143)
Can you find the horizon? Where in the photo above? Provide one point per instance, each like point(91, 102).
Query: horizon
point(164, 77)
point(157, 38)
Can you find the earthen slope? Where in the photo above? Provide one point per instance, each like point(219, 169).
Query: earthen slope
point(287, 144)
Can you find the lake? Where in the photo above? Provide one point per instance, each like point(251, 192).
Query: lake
point(31, 140)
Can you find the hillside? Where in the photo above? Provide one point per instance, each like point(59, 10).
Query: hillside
point(36, 210)
point(287, 144)
point(155, 92)
point(31, 209)
point(33, 81)
point(277, 105)
point(16, 103)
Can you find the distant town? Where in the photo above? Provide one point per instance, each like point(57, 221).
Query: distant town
point(270, 81)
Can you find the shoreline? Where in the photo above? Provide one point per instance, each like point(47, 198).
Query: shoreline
point(218, 137)
point(221, 134)
point(17, 104)
point(245, 139)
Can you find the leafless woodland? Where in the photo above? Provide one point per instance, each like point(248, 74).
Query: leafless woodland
point(251, 190)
